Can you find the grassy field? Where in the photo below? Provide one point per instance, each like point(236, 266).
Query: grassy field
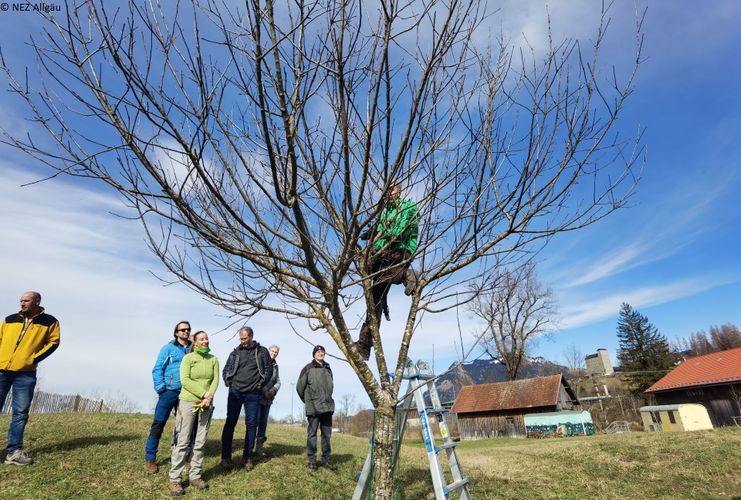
point(101, 456)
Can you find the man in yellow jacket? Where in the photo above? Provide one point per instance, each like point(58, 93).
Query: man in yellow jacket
point(26, 339)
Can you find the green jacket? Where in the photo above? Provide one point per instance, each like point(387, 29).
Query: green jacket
point(199, 374)
point(314, 387)
point(397, 227)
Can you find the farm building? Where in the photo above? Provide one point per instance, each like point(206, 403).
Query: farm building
point(498, 409)
point(712, 380)
point(675, 418)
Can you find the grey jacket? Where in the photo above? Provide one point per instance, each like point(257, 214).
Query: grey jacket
point(272, 387)
point(314, 387)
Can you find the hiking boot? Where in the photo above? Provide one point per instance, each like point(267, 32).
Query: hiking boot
point(329, 465)
point(410, 281)
point(176, 489)
point(259, 443)
point(151, 467)
point(18, 457)
point(363, 350)
point(226, 464)
point(386, 313)
point(313, 467)
point(248, 465)
point(199, 483)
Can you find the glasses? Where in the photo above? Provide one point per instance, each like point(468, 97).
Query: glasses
point(183, 329)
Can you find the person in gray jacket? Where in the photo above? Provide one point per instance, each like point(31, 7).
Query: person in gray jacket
point(248, 373)
point(314, 387)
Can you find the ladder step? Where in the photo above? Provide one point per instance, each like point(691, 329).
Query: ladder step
point(436, 410)
point(456, 485)
point(447, 446)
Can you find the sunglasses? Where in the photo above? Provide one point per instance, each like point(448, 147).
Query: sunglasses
point(183, 329)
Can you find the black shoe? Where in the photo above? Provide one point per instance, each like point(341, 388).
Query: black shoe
point(313, 467)
point(329, 465)
point(363, 350)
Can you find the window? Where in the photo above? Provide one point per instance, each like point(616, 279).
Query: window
point(671, 417)
point(655, 417)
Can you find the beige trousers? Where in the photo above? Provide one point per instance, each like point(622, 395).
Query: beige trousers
point(184, 422)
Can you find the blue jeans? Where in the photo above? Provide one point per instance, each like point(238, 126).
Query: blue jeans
point(167, 401)
point(251, 403)
point(262, 420)
point(23, 384)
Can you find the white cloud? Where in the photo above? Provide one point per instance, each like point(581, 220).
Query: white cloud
point(586, 312)
point(662, 228)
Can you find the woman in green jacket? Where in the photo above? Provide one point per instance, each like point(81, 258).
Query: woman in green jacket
point(199, 376)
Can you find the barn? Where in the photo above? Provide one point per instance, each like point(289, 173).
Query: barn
point(712, 380)
point(498, 409)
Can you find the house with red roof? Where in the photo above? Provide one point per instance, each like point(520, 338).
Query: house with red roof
point(498, 409)
point(713, 380)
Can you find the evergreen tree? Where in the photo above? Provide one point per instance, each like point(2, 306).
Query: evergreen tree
point(644, 353)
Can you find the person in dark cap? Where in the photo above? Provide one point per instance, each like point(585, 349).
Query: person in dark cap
point(314, 387)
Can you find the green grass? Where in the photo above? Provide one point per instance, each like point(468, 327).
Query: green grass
point(101, 456)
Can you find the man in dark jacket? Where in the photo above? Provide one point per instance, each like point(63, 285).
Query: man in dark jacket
point(247, 373)
point(314, 387)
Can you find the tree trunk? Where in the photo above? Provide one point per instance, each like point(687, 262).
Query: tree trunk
point(383, 473)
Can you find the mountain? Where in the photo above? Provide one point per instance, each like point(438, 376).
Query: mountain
point(484, 371)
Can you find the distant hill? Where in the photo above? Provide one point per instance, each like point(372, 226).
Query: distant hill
point(483, 371)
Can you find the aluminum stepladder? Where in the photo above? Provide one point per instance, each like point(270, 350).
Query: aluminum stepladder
point(421, 382)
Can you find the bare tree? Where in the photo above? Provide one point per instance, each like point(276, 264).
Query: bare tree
point(725, 337)
point(117, 402)
point(346, 404)
point(251, 140)
point(516, 309)
point(719, 338)
point(574, 360)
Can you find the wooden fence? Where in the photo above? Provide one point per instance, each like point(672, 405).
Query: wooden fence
point(47, 402)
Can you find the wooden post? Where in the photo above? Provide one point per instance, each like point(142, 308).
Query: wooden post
point(76, 403)
point(33, 402)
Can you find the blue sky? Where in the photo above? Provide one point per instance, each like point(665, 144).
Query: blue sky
point(673, 254)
